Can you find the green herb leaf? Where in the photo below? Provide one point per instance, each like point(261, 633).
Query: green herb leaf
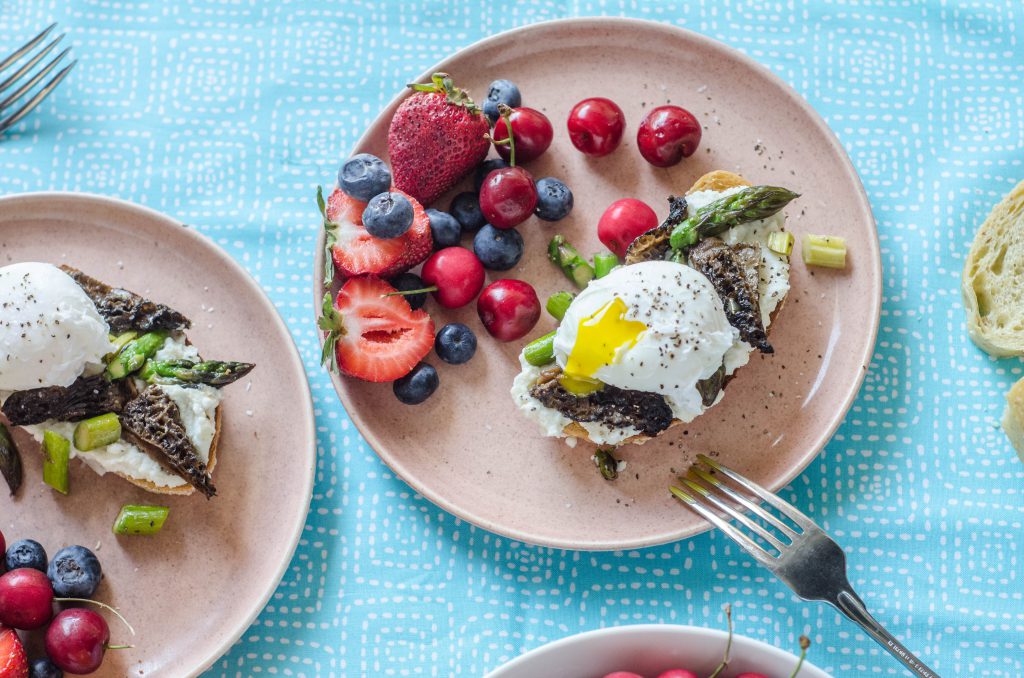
point(330, 237)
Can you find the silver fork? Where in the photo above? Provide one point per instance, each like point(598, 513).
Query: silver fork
point(27, 76)
point(808, 560)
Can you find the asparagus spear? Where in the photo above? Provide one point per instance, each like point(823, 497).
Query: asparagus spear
point(540, 351)
point(134, 354)
point(569, 260)
point(213, 372)
point(604, 262)
point(558, 303)
point(97, 432)
point(56, 457)
point(10, 460)
point(606, 463)
point(135, 519)
point(750, 204)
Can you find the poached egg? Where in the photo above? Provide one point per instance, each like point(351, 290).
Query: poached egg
point(656, 326)
point(50, 331)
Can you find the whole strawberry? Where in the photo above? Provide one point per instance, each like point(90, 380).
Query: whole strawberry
point(437, 136)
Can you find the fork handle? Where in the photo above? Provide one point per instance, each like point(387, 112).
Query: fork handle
point(850, 604)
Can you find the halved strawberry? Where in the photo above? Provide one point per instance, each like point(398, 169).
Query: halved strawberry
point(13, 661)
point(372, 336)
point(356, 252)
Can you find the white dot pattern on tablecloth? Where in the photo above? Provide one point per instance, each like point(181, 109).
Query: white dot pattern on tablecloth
point(223, 114)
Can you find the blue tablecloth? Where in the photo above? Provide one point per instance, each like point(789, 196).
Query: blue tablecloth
point(225, 114)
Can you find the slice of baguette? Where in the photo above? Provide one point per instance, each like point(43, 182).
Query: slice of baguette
point(1013, 419)
point(186, 489)
point(993, 279)
point(717, 180)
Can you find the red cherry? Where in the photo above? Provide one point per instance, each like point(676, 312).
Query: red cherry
point(457, 273)
point(677, 673)
point(667, 135)
point(531, 131)
point(508, 196)
point(3, 549)
point(623, 222)
point(596, 126)
point(508, 309)
point(26, 599)
point(750, 675)
point(76, 640)
point(622, 674)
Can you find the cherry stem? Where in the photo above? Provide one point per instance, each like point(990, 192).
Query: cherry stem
point(96, 602)
point(506, 114)
point(118, 647)
point(728, 644)
point(405, 293)
point(805, 643)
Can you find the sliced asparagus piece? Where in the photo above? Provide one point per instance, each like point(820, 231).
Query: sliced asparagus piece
point(604, 262)
point(134, 354)
point(97, 432)
point(606, 463)
point(10, 460)
point(558, 303)
point(135, 519)
point(540, 351)
point(750, 204)
point(118, 342)
point(56, 457)
point(569, 260)
point(213, 372)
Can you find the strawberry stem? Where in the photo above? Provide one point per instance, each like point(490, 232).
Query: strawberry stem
point(96, 602)
point(506, 114)
point(330, 237)
point(331, 322)
point(441, 83)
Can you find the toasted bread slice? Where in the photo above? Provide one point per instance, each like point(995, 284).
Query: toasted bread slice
point(186, 489)
point(1013, 419)
point(993, 279)
point(717, 180)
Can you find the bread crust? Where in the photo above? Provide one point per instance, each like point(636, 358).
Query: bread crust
point(990, 270)
point(717, 180)
point(1013, 418)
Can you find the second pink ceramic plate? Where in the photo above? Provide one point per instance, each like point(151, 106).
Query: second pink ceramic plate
point(467, 448)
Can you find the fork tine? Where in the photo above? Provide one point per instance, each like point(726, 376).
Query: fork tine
point(35, 100)
point(744, 542)
point(792, 512)
point(735, 515)
point(27, 46)
point(18, 93)
point(743, 501)
point(28, 65)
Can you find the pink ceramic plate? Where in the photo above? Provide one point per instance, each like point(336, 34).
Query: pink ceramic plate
point(193, 589)
point(468, 449)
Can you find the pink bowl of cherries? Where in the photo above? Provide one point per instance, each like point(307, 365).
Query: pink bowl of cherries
point(660, 651)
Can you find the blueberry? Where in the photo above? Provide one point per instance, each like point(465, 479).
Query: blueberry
point(485, 168)
point(26, 553)
point(388, 215)
point(411, 281)
point(74, 572)
point(364, 176)
point(444, 228)
point(554, 199)
point(498, 250)
point(44, 668)
point(417, 386)
point(501, 92)
point(466, 210)
point(455, 343)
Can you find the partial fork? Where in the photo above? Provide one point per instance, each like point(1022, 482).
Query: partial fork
point(33, 79)
point(808, 560)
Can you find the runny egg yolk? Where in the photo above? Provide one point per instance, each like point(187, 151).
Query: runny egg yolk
point(600, 338)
